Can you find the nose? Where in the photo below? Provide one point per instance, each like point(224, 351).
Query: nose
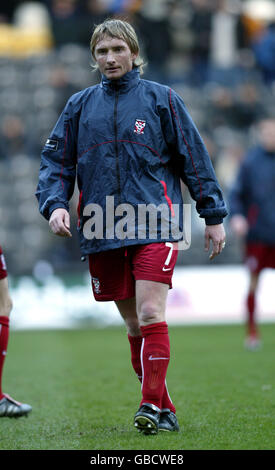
point(110, 57)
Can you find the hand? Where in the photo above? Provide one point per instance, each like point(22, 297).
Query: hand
point(60, 222)
point(215, 233)
point(239, 225)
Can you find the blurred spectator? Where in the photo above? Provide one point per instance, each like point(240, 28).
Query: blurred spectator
point(67, 19)
point(264, 49)
point(200, 26)
point(237, 108)
point(228, 161)
point(226, 39)
point(248, 103)
point(222, 110)
point(95, 12)
point(252, 208)
point(14, 139)
point(154, 28)
point(60, 83)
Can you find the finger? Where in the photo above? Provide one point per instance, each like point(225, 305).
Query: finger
point(222, 245)
point(63, 231)
point(212, 256)
point(67, 225)
point(215, 250)
point(59, 228)
point(206, 243)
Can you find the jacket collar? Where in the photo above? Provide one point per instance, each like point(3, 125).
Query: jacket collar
point(127, 81)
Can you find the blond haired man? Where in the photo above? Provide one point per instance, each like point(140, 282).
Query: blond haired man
point(130, 141)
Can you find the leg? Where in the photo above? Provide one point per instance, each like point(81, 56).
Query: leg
point(5, 309)
point(153, 267)
point(252, 341)
point(251, 301)
point(151, 303)
point(155, 355)
point(8, 406)
point(121, 281)
point(127, 309)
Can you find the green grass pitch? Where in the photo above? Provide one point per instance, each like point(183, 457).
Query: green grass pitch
point(84, 392)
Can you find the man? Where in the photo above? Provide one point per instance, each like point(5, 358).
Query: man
point(8, 406)
point(252, 207)
point(131, 140)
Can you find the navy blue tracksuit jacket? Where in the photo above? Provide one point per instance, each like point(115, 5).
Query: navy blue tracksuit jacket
point(253, 194)
point(131, 139)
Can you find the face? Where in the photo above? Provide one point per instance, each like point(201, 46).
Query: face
point(113, 57)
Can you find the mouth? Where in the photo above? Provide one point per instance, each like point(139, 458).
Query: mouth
point(112, 69)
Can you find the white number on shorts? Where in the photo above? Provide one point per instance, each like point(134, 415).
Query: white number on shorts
point(169, 245)
point(2, 261)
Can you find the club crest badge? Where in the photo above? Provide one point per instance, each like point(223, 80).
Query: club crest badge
point(139, 126)
point(96, 285)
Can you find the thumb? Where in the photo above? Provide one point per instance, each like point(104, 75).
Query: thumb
point(67, 220)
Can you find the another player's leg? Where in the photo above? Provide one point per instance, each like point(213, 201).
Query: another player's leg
point(8, 406)
point(252, 340)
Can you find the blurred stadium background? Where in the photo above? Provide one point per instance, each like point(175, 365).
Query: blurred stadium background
point(219, 55)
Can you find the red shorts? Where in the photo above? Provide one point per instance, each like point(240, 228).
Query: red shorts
point(114, 272)
point(259, 256)
point(3, 267)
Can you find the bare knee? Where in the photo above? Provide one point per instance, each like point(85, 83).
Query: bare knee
point(150, 313)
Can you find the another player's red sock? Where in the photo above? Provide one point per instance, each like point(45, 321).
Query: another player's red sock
point(4, 338)
point(155, 356)
point(251, 324)
point(135, 345)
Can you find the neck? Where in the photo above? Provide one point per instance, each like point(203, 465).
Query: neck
point(128, 80)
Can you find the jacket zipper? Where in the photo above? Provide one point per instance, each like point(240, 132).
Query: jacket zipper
point(116, 152)
point(116, 146)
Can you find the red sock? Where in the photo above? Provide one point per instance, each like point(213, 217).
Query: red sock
point(155, 356)
point(135, 345)
point(4, 337)
point(250, 302)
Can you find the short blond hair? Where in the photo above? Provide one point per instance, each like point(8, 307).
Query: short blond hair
point(120, 29)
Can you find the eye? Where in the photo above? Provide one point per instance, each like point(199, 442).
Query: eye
point(101, 51)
